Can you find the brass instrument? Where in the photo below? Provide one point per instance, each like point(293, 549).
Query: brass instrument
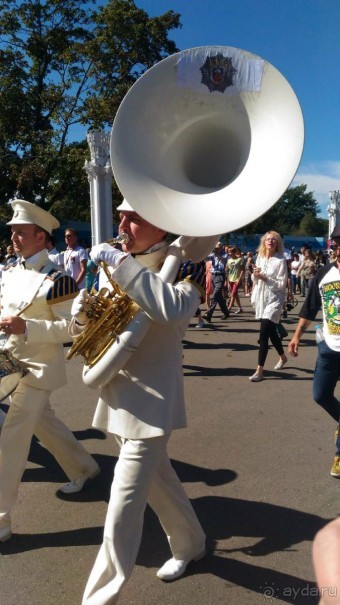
point(109, 315)
point(204, 142)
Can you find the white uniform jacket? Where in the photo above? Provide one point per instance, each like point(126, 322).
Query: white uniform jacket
point(50, 293)
point(146, 398)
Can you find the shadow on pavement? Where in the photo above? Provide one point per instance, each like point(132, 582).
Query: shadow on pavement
point(187, 344)
point(274, 528)
point(244, 372)
point(49, 471)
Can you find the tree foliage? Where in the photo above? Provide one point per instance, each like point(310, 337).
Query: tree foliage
point(289, 213)
point(68, 62)
point(311, 225)
point(64, 62)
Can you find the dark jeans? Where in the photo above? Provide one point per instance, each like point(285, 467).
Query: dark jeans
point(326, 375)
point(217, 297)
point(268, 331)
point(304, 285)
point(296, 282)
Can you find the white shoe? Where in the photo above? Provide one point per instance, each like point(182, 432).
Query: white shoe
point(256, 377)
point(175, 568)
point(281, 364)
point(75, 486)
point(5, 533)
point(200, 324)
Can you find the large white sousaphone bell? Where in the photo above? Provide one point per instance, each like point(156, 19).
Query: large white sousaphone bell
point(207, 140)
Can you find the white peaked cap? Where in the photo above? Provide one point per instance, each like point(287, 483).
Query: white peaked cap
point(125, 206)
point(26, 213)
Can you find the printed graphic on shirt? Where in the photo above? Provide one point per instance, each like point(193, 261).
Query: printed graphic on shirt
point(330, 294)
point(235, 268)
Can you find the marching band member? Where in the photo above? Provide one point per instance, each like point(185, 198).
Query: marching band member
point(35, 339)
point(141, 405)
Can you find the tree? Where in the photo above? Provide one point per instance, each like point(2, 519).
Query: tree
point(286, 215)
point(41, 43)
point(69, 185)
point(63, 62)
point(311, 225)
point(127, 42)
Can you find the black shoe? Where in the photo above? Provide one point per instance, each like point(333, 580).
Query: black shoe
point(225, 316)
point(207, 318)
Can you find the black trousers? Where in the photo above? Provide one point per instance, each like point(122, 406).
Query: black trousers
point(217, 297)
point(268, 332)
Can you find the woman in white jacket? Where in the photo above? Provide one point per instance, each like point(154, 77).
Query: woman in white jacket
point(268, 297)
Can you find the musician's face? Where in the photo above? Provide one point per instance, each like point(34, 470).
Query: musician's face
point(27, 240)
point(142, 234)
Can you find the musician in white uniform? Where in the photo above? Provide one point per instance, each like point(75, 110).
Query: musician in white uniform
point(36, 300)
point(141, 405)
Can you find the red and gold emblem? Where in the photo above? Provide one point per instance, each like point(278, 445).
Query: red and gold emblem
point(218, 73)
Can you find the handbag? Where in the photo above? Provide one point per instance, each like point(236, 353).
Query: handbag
point(281, 330)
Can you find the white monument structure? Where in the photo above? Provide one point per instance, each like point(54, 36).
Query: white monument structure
point(99, 173)
point(333, 211)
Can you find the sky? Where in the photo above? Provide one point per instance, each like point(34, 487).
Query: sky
point(301, 38)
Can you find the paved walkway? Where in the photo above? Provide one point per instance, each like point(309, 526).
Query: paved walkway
point(255, 461)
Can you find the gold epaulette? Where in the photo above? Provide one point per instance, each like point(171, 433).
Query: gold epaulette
point(63, 287)
point(193, 273)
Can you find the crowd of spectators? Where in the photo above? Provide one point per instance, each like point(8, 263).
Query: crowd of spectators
point(236, 274)
point(230, 270)
point(238, 271)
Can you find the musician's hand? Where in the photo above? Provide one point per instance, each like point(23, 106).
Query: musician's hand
point(13, 325)
point(195, 248)
point(106, 253)
point(81, 305)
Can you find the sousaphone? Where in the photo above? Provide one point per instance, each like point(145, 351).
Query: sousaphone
point(205, 142)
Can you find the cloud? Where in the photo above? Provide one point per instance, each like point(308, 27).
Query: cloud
point(320, 178)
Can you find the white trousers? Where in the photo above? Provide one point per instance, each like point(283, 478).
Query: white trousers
point(2, 418)
point(30, 413)
point(143, 474)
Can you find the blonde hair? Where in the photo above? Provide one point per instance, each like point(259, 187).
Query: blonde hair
point(262, 250)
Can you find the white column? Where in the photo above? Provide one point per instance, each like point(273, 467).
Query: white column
point(333, 211)
point(99, 173)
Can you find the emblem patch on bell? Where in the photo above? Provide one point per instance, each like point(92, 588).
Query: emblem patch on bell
point(218, 73)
